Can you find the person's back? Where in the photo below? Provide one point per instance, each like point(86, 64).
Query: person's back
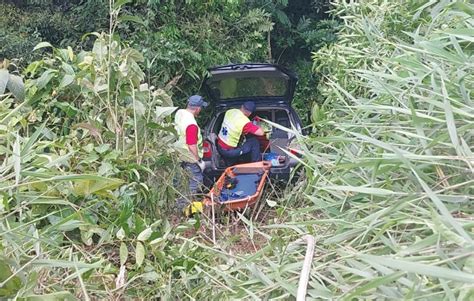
point(235, 124)
point(232, 127)
point(189, 147)
point(182, 120)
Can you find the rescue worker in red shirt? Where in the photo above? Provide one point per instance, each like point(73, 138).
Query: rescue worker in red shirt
point(189, 145)
point(236, 123)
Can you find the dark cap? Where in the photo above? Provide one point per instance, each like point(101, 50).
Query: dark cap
point(249, 106)
point(196, 101)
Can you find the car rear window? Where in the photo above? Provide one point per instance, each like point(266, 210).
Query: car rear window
point(246, 87)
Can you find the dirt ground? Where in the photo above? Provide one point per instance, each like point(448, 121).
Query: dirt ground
point(235, 231)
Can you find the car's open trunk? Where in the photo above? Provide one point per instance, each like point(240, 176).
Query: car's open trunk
point(278, 138)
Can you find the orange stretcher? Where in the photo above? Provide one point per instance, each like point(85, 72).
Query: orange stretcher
point(240, 186)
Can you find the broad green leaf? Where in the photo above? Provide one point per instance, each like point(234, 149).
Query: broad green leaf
point(66, 81)
point(120, 3)
point(106, 169)
point(67, 108)
point(121, 234)
point(100, 187)
point(45, 78)
point(42, 45)
point(140, 108)
point(123, 253)
point(145, 234)
point(13, 285)
point(102, 148)
point(271, 203)
point(16, 87)
point(70, 53)
point(139, 254)
point(67, 68)
point(4, 77)
point(135, 19)
point(162, 112)
point(70, 225)
point(150, 276)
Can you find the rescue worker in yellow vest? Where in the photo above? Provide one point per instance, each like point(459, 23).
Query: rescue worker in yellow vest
point(237, 123)
point(189, 145)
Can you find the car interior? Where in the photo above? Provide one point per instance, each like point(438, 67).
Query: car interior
point(278, 139)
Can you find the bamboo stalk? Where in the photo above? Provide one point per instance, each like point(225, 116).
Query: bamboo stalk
point(308, 259)
point(213, 219)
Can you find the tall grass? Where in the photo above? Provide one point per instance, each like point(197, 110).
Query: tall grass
point(392, 163)
point(389, 169)
point(389, 181)
point(388, 191)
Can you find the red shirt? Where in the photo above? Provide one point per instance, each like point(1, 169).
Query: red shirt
point(249, 128)
point(192, 134)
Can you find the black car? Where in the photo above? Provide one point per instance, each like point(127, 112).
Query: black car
point(271, 87)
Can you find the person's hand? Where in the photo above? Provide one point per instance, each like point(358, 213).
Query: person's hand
point(257, 119)
point(201, 164)
point(268, 134)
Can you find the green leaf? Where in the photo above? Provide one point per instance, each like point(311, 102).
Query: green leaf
point(68, 68)
point(462, 33)
point(162, 112)
point(123, 253)
point(102, 148)
point(51, 263)
point(99, 187)
point(145, 234)
point(150, 276)
point(57, 296)
point(45, 78)
point(17, 160)
point(139, 254)
point(120, 3)
point(135, 19)
point(121, 234)
point(70, 53)
point(66, 81)
point(12, 286)
point(450, 120)
point(374, 284)
point(271, 203)
point(69, 109)
point(419, 268)
point(140, 108)
point(4, 77)
point(16, 86)
point(42, 45)
point(106, 169)
point(367, 190)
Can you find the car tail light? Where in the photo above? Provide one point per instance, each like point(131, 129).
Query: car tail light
point(296, 152)
point(206, 150)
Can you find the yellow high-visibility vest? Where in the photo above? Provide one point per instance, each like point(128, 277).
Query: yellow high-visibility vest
point(232, 126)
point(182, 120)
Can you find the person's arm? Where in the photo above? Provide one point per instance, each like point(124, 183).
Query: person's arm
point(192, 139)
point(194, 151)
point(251, 128)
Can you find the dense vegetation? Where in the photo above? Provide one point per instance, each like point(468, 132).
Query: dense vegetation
point(86, 168)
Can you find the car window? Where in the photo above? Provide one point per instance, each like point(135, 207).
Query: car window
point(245, 87)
